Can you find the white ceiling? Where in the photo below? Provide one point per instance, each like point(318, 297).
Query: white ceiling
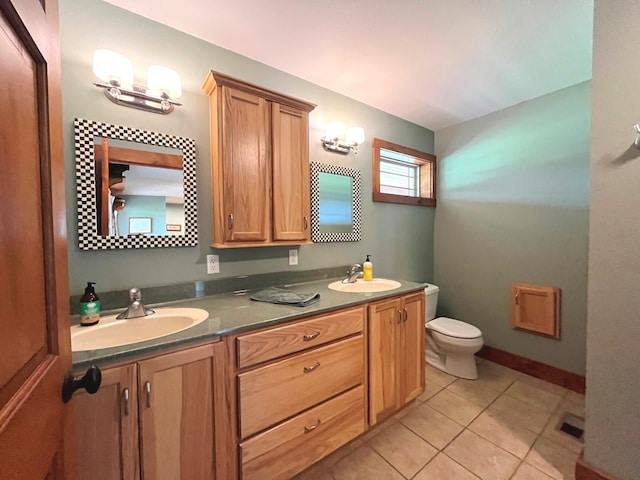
point(432, 62)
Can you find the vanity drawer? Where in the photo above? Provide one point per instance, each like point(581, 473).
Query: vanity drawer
point(277, 342)
point(288, 448)
point(282, 389)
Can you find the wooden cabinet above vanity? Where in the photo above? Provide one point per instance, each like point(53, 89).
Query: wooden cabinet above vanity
point(259, 164)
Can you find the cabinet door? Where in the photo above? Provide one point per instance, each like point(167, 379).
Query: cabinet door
point(411, 352)
point(291, 198)
point(104, 427)
point(245, 167)
point(384, 320)
point(176, 415)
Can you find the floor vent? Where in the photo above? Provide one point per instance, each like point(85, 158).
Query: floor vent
point(571, 425)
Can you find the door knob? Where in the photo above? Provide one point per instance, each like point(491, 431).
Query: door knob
point(90, 382)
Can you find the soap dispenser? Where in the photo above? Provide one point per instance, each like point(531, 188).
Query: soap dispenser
point(367, 269)
point(89, 306)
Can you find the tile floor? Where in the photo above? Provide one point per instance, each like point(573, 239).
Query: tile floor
point(499, 427)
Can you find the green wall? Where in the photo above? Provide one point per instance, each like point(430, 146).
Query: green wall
point(612, 430)
point(513, 207)
point(399, 237)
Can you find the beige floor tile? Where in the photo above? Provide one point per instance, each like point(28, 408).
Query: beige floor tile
point(455, 407)
point(543, 384)
point(437, 377)
point(534, 395)
point(431, 425)
point(333, 458)
point(364, 464)
point(496, 376)
point(375, 430)
point(527, 472)
point(443, 468)
point(482, 457)
point(552, 433)
point(555, 460)
point(573, 403)
point(474, 390)
point(317, 472)
point(520, 413)
point(513, 438)
point(403, 449)
point(430, 389)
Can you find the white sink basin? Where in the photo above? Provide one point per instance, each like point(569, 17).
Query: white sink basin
point(111, 332)
point(365, 286)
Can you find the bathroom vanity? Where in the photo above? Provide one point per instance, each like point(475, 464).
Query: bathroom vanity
point(267, 392)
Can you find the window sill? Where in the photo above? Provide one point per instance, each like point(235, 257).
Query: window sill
point(389, 198)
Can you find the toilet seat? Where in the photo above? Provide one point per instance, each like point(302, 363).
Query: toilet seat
point(454, 328)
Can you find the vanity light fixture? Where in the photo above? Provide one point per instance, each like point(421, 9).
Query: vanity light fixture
point(116, 73)
point(332, 141)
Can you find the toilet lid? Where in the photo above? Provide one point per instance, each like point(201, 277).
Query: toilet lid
point(454, 328)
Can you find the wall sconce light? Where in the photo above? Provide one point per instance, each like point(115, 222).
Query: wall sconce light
point(116, 73)
point(332, 140)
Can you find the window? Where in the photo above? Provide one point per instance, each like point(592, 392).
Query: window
point(403, 175)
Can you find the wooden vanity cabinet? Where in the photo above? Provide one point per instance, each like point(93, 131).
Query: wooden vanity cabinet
point(153, 419)
point(300, 392)
point(260, 164)
point(396, 354)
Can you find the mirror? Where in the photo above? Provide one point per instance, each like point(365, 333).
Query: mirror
point(335, 203)
point(135, 188)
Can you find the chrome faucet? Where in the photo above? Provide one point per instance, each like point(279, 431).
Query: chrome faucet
point(136, 308)
point(353, 274)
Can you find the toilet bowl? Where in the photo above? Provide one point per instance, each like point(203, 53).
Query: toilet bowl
point(451, 344)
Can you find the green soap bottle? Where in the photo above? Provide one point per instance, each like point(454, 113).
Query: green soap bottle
point(89, 306)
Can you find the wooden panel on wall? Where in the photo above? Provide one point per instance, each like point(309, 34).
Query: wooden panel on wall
point(536, 309)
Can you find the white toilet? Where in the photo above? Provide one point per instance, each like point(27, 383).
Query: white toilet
point(451, 344)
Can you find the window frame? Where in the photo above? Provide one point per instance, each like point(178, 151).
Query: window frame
point(422, 159)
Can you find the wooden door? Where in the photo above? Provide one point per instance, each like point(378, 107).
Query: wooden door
point(245, 167)
point(104, 428)
point(384, 320)
point(34, 313)
point(411, 352)
point(176, 415)
point(291, 196)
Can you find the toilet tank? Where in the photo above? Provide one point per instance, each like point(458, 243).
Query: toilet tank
point(431, 301)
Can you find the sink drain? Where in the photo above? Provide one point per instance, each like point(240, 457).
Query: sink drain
point(571, 425)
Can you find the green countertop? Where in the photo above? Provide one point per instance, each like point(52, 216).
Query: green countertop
point(231, 313)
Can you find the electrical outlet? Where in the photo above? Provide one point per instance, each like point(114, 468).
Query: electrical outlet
point(293, 257)
point(213, 264)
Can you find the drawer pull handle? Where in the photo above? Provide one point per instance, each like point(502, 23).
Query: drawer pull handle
point(399, 312)
point(231, 221)
point(308, 338)
point(312, 427)
point(125, 394)
point(147, 388)
point(311, 368)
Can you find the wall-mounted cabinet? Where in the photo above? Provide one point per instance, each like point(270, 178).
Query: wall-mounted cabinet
point(260, 165)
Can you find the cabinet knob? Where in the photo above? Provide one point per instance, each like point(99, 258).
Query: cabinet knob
point(231, 221)
point(90, 382)
point(399, 312)
point(306, 223)
point(405, 314)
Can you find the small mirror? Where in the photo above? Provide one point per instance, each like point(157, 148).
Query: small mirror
point(335, 203)
point(136, 189)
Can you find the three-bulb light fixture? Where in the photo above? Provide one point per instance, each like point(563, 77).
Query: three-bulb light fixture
point(333, 140)
point(116, 73)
